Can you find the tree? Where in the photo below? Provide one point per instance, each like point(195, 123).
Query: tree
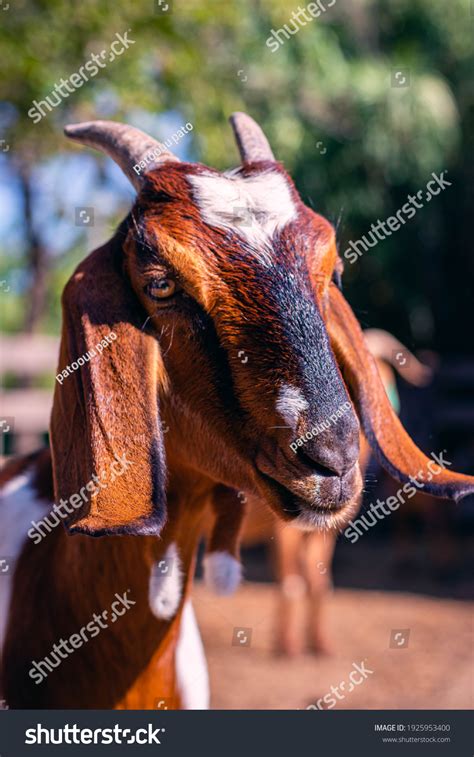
point(328, 98)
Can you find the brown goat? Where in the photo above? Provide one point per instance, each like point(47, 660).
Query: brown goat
point(221, 323)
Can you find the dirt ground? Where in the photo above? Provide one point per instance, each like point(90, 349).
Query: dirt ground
point(433, 671)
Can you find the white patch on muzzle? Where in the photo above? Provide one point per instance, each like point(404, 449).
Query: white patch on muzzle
point(290, 404)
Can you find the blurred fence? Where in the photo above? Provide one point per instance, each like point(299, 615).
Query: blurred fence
point(27, 364)
point(27, 369)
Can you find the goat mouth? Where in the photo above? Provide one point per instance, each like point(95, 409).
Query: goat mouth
point(320, 519)
point(331, 513)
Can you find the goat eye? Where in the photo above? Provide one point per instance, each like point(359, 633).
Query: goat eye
point(161, 289)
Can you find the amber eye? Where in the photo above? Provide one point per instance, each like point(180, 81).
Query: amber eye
point(161, 289)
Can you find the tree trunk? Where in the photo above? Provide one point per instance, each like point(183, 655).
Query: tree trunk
point(36, 257)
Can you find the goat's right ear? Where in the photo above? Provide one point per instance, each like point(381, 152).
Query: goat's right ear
point(106, 437)
point(389, 441)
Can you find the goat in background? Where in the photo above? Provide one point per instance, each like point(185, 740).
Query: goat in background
point(206, 267)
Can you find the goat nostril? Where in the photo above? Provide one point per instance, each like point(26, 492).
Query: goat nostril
point(322, 468)
point(327, 462)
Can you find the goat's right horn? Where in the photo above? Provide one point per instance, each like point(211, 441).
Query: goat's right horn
point(251, 141)
point(126, 145)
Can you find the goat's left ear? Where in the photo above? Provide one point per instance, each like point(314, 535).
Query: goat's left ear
point(106, 437)
point(392, 446)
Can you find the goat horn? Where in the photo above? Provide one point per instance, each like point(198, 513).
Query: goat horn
point(251, 141)
point(387, 347)
point(126, 145)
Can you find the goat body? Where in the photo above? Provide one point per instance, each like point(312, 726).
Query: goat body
point(231, 339)
point(60, 583)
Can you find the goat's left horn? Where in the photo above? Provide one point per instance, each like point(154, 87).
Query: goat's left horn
point(126, 145)
point(251, 141)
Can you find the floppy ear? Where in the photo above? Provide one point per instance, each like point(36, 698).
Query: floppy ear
point(106, 438)
point(392, 446)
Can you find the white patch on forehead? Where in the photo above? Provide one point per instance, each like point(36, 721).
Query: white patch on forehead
point(254, 207)
point(290, 404)
point(166, 584)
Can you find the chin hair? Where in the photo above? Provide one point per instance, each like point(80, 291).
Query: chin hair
point(320, 520)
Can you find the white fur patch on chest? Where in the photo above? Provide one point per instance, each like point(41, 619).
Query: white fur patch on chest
point(191, 666)
point(166, 584)
point(19, 506)
point(254, 207)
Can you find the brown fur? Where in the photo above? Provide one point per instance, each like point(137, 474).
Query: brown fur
point(60, 583)
point(172, 393)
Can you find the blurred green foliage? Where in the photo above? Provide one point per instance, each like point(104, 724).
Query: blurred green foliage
point(355, 144)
